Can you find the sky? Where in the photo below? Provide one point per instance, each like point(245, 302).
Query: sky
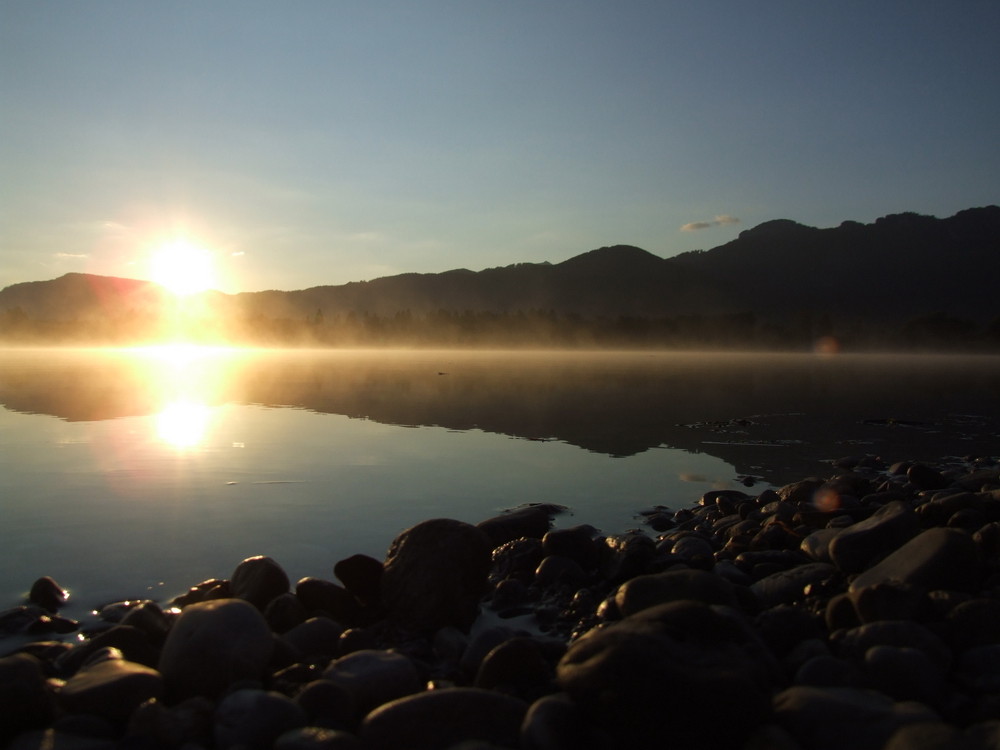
point(310, 142)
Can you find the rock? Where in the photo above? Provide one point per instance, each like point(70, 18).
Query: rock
point(652, 589)
point(284, 612)
point(327, 704)
point(254, 719)
point(148, 618)
point(362, 576)
point(817, 544)
point(317, 636)
point(626, 556)
point(891, 600)
point(48, 594)
point(835, 718)
point(978, 669)
point(556, 570)
point(939, 558)
point(441, 718)
point(554, 722)
point(866, 542)
point(213, 644)
point(517, 559)
point(974, 623)
point(133, 644)
point(800, 492)
point(924, 477)
point(25, 702)
point(516, 667)
point(854, 643)
point(828, 671)
point(188, 723)
point(484, 641)
point(111, 689)
point(577, 543)
point(435, 575)
point(671, 666)
point(258, 580)
point(320, 596)
point(530, 521)
point(50, 739)
point(787, 586)
point(931, 735)
point(691, 548)
point(905, 674)
point(317, 738)
point(373, 677)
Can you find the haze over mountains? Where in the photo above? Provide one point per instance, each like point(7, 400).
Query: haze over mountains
point(899, 268)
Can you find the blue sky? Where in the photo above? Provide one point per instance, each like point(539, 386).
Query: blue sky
point(318, 142)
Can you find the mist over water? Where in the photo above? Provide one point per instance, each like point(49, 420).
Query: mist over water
point(140, 472)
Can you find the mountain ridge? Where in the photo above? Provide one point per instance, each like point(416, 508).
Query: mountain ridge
point(899, 267)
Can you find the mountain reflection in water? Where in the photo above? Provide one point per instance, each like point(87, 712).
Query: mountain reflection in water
point(775, 415)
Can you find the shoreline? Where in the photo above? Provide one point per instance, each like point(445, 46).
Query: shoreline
point(859, 609)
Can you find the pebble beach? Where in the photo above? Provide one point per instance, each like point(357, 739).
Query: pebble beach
point(859, 609)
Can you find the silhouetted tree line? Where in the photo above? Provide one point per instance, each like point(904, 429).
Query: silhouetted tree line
point(522, 328)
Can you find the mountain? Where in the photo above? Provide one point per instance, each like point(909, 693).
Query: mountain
point(898, 268)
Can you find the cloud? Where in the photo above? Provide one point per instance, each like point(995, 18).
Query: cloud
point(718, 221)
point(71, 255)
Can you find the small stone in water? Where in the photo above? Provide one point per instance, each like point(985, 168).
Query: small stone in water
point(45, 592)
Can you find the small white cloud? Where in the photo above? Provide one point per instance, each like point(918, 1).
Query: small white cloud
point(237, 253)
point(71, 255)
point(718, 221)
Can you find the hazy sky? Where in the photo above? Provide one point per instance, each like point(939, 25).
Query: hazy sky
point(308, 142)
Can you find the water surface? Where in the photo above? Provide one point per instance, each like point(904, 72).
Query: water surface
point(130, 473)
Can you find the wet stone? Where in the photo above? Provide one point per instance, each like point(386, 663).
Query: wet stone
point(836, 718)
point(24, 699)
point(48, 594)
point(939, 558)
point(317, 738)
point(671, 666)
point(859, 546)
point(435, 575)
point(373, 677)
point(258, 580)
point(443, 718)
point(362, 576)
point(254, 719)
point(111, 688)
point(319, 595)
point(213, 644)
point(577, 543)
point(650, 590)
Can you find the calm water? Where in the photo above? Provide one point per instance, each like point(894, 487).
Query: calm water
point(139, 473)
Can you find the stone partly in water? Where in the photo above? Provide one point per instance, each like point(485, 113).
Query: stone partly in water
point(435, 575)
point(45, 592)
point(213, 644)
point(258, 580)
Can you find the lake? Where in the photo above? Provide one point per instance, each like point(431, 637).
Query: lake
point(137, 473)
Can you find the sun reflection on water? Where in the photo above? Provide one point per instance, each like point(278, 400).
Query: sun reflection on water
point(183, 423)
point(186, 380)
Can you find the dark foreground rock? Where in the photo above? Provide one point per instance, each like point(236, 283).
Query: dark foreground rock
point(856, 610)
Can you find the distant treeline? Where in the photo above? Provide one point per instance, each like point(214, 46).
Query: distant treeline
point(523, 328)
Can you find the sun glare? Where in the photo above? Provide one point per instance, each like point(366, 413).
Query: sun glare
point(182, 423)
point(182, 267)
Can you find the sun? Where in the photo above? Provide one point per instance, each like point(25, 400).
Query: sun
point(182, 267)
